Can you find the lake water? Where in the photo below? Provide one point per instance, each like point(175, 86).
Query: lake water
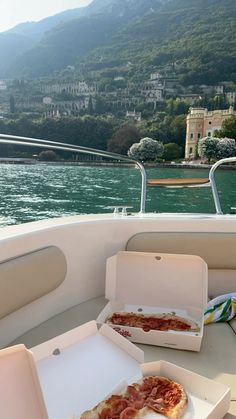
point(33, 192)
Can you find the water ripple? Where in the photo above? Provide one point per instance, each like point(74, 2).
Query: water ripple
point(44, 191)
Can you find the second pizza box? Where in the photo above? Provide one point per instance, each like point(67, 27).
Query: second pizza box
point(156, 283)
point(84, 366)
point(20, 392)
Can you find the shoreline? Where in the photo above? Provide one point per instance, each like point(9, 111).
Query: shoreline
point(150, 165)
point(107, 164)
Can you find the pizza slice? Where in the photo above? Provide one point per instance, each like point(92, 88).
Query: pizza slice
point(147, 322)
point(152, 397)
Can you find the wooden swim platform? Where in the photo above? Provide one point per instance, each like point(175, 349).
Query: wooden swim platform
point(178, 182)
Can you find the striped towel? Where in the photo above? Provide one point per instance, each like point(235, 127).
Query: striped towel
point(221, 309)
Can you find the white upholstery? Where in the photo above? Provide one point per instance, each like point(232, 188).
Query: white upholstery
point(217, 249)
point(30, 276)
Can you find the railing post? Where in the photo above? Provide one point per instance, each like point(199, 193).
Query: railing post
point(143, 188)
point(213, 182)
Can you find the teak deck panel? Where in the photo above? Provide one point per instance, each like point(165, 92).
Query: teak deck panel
point(177, 181)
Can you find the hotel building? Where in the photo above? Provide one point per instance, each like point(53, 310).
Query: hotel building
point(203, 123)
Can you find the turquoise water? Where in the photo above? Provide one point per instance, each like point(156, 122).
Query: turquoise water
point(41, 191)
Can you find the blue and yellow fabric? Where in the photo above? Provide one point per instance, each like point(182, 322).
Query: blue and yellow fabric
point(221, 309)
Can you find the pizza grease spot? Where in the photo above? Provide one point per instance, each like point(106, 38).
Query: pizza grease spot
point(158, 257)
point(56, 351)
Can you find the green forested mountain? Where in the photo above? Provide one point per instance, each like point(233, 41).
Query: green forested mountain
point(194, 38)
point(23, 37)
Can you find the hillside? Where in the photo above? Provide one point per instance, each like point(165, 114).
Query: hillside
point(195, 39)
point(25, 36)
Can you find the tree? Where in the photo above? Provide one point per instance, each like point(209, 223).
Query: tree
point(90, 105)
point(177, 107)
point(47, 155)
point(88, 131)
point(207, 148)
point(226, 147)
point(216, 148)
point(228, 128)
point(100, 105)
point(147, 149)
point(122, 139)
point(12, 104)
point(177, 129)
point(172, 151)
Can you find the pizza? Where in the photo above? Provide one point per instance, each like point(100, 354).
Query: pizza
point(147, 322)
point(151, 396)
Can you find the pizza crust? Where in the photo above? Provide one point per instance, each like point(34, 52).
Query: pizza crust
point(90, 414)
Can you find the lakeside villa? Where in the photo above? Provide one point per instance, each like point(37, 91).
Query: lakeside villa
point(203, 123)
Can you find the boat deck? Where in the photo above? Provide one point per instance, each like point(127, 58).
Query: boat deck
point(213, 361)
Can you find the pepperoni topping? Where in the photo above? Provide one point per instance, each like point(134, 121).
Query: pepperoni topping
point(156, 393)
point(148, 323)
point(133, 394)
point(118, 406)
point(105, 413)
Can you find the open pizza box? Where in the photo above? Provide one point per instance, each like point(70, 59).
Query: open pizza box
point(20, 392)
point(155, 283)
point(84, 366)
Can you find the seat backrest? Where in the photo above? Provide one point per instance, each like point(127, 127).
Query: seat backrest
point(217, 249)
point(27, 277)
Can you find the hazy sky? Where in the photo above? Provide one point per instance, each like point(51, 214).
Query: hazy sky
point(13, 12)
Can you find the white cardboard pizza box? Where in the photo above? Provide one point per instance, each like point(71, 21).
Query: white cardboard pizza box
point(20, 392)
point(157, 283)
point(207, 399)
point(82, 367)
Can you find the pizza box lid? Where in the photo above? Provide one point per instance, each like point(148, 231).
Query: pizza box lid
point(80, 368)
point(20, 392)
point(157, 279)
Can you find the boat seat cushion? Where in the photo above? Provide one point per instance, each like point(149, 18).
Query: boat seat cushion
point(233, 324)
point(217, 249)
point(27, 277)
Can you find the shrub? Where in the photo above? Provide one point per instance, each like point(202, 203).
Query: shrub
point(147, 149)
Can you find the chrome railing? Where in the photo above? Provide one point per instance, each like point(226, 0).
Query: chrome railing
point(54, 145)
point(212, 180)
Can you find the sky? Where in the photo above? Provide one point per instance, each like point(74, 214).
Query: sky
point(13, 12)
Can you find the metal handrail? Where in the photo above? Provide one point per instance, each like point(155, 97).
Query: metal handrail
point(214, 189)
point(54, 145)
